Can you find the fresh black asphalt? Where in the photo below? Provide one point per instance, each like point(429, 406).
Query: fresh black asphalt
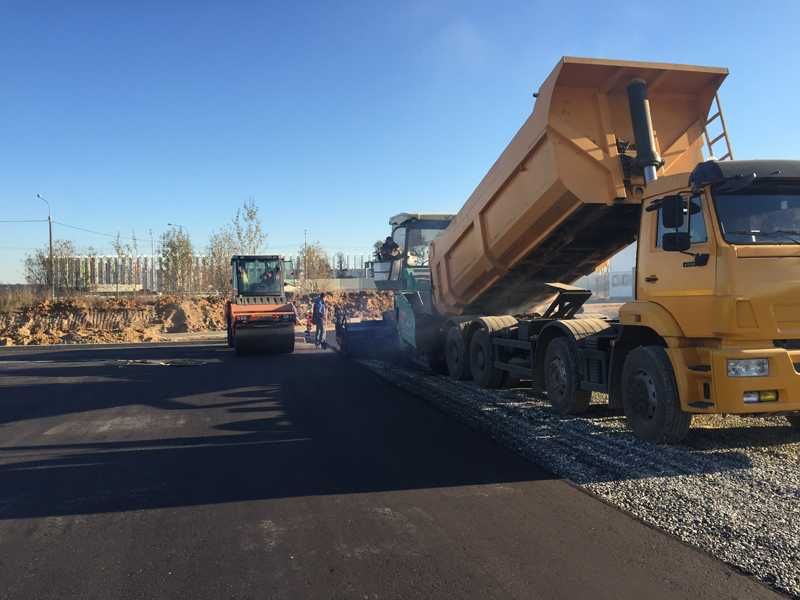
point(184, 471)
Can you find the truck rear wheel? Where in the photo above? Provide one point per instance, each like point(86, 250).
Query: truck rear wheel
point(456, 354)
point(481, 361)
point(561, 379)
point(437, 362)
point(650, 397)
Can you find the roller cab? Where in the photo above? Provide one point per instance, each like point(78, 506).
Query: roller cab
point(258, 315)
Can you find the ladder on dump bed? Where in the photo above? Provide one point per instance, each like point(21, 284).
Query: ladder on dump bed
point(722, 137)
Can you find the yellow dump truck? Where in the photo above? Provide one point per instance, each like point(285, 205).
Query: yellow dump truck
point(613, 154)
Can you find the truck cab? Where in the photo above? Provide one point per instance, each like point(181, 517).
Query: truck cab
point(718, 266)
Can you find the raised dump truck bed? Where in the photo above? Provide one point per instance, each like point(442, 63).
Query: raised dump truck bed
point(613, 153)
point(554, 205)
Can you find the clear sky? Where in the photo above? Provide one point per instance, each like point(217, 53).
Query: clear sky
point(331, 115)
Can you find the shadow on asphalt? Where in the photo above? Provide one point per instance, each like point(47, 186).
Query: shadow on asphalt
point(254, 427)
point(314, 424)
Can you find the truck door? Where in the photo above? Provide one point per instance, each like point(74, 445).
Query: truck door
point(681, 283)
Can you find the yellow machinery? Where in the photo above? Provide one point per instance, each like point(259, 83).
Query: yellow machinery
point(612, 154)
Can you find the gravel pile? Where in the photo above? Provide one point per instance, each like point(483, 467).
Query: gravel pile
point(732, 488)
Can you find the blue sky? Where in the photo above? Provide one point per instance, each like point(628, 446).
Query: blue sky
point(331, 115)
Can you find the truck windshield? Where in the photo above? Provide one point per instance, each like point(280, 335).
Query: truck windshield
point(760, 216)
point(258, 277)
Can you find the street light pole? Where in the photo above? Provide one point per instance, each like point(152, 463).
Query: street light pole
point(50, 273)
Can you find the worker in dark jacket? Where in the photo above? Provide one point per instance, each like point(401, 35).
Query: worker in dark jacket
point(320, 314)
point(390, 250)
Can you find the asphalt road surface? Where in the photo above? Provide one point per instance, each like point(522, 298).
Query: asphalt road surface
point(187, 472)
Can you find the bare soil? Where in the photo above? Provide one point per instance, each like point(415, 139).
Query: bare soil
point(90, 320)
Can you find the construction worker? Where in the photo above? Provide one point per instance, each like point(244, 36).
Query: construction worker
point(244, 280)
point(390, 250)
point(309, 326)
point(320, 313)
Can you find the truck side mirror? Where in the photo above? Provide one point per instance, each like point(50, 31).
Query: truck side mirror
point(672, 209)
point(678, 241)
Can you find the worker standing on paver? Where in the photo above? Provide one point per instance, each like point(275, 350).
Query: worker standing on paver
point(390, 250)
point(320, 313)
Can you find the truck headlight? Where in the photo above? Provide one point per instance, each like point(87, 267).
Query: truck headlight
point(748, 367)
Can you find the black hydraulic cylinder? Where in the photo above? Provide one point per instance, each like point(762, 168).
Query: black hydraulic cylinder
point(646, 156)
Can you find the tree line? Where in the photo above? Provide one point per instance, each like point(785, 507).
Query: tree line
point(244, 234)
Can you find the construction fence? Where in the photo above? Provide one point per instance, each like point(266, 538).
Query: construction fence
point(114, 274)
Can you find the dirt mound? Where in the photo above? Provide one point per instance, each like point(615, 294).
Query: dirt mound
point(184, 315)
point(145, 318)
point(77, 321)
point(358, 305)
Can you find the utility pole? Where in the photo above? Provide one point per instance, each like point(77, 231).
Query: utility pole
point(152, 261)
point(50, 274)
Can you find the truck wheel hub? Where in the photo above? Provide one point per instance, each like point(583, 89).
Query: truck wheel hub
point(557, 377)
point(643, 393)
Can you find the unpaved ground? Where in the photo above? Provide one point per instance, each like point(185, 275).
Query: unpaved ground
point(359, 305)
point(145, 319)
point(732, 489)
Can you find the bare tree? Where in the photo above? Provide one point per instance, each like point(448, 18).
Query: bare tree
point(177, 257)
point(90, 268)
point(340, 263)
point(36, 264)
point(221, 246)
point(125, 252)
point(244, 235)
point(247, 228)
point(315, 261)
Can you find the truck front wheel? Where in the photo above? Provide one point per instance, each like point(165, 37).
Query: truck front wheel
point(456, 355)
point(650, 397)
point(561, 379)
point(481, 361)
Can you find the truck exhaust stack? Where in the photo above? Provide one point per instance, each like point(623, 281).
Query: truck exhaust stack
point(646, 155)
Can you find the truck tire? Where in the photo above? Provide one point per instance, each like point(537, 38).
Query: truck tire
point(650, 397)
point(437, 362)
point(456, 354)
point(230, 333)
point(481, 361)
point(561, 378)
point(511, 381)
point(288, 346)
point(794, 421)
